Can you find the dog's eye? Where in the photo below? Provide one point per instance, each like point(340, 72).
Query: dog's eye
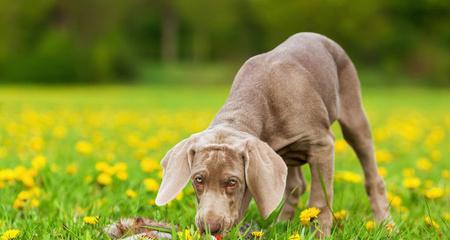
point(231, 183)
point(198, 180)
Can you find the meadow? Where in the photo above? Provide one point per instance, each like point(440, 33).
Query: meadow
point(74, 159)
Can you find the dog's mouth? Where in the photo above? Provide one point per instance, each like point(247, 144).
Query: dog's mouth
point(224, 228)
point(216, 233)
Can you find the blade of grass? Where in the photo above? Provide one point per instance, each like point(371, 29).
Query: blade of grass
point(324, 190)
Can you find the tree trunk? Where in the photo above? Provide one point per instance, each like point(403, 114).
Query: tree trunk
point(169, 35)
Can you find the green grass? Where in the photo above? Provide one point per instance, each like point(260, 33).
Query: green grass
point(130, 123)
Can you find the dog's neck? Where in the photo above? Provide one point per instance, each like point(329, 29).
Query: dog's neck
point(239, 118)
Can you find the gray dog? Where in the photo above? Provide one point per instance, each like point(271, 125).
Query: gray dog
point(277, 118)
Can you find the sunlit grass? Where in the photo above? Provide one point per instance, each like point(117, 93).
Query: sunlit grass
point(75, 159)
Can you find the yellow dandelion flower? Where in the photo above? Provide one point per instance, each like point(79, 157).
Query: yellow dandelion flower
point(120, 167)
point(434, 193)
point(179, 196)
point(149, 165)
point(37, 144)
point(12, 174)
point(160, 174)
point(340, 145)
point(10, 234)
point(104, 179)
point(348, 176)
point(431, 223)
point(408, 172)
point(18, 203)
point(34, 203)
point(17, 173)
point(102, 166)
point(35, 191)
point(122, 175)
point(446, 216)
point(109, 170)
point(445, 174)
point(186, 235)
point(7, 175)
point(28, 181)
point(309, 214)
point(59, 132)
point(151, 202)
point(25, 195)
point(382, 171)
point(91, 220)
point(295, 236)
point(152, 143)
point(380, 134)
point(435, 137)
point(31, 172)
point(151, 185)
point(84, 147)
point(390, 227)
point(424, 164)
point(257, 234)
point(38, 162)
point(340, 215)
point(140, 153)
point(383, 156)
point(395, 200)
point(411, 182)
point(436, 155)
point(370, 225)
point(72, 169)
point(27, 198)
point(130, 193)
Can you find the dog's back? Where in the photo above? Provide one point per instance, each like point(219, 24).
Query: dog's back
point(300, 77)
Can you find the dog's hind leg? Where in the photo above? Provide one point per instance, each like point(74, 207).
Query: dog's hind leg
point(295, 187)
point(356, 130)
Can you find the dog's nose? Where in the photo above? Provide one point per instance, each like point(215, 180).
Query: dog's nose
point(213, 226)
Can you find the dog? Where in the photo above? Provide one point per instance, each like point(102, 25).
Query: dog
point(276, 118)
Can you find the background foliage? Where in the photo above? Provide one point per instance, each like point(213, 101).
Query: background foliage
point(97, 41)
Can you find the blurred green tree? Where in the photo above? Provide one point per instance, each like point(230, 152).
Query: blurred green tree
point(96, 41)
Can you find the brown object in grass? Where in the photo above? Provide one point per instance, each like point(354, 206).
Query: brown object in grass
point(139, 228)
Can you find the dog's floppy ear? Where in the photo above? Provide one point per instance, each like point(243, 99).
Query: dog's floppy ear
point(177, 167)
point(265, 174)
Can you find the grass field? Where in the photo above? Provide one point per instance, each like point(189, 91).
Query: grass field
point(71, 153)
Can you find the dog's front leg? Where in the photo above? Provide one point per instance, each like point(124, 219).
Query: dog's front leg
point(295, 187)
point(321, 161)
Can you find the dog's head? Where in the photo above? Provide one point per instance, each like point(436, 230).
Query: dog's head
point(226, 168)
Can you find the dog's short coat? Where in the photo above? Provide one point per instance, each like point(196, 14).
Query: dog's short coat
point(276, 118)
